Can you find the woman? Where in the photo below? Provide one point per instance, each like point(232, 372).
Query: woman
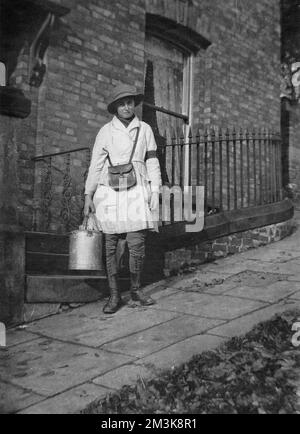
point(129, 212)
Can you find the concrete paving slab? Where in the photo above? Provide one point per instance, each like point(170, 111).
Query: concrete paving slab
point(226, 269)
point(180, 352)
point(231, 261)
point(48, 367)
point(214, 284)
point(290, 267)
point(259, 279)
point(294, 278)
point(188, 281)
point(90, 310)
point(291, 243)
point(247, 278)
point(160, 336)
point(197, 278)
point(125, 375)
point(70, 355)
point(18, 336)
point(270, 255)
point(14, 398)
point(106, 328)
point(206, 305)
point(221, 289)
point(270, 293)
point(294, 265)
point(162, 292)
point(157, 286)
point(71, 402)
point(208, 276)
point(244, 324)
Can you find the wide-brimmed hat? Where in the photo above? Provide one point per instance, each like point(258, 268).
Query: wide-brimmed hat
point(122, 91)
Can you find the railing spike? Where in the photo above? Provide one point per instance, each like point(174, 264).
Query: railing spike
point(173, 137)
point(177, 133)
point(172, 133)
point(220, 133)
point(213, 133)
point(182, 134)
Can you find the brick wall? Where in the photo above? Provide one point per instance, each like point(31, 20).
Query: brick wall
point(177, 261)
point(237, 79)
point(241, 76)
point(100, 42)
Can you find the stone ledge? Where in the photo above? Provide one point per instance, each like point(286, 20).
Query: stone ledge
point(174, 236)
point(223, 234)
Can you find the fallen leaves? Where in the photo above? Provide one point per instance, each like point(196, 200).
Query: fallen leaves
point(251, 374)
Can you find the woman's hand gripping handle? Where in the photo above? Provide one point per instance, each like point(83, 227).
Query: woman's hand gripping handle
point(89, 206)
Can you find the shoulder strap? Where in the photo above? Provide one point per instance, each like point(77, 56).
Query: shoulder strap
point(108, 157)
point(133, 149)
point(135, 143)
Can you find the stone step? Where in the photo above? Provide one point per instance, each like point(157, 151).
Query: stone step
point(68, 289)
point(47, 243)
point(47, 254)
point(52, 263)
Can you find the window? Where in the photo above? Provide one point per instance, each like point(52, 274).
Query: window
point(168, 95)
point(168, 83)
point(170, 47)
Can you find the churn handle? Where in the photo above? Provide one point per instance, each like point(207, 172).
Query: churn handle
point(95, 221)
point(85, 223)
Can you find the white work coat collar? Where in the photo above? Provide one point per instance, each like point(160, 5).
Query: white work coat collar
point(135, 123)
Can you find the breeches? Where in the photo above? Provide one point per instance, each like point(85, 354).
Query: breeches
point(136, 247)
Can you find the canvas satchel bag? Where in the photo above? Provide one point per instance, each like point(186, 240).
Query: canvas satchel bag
point(123, 177)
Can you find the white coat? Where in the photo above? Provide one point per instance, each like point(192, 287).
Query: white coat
point(124, 211)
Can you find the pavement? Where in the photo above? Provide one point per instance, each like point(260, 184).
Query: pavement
point(62, 363)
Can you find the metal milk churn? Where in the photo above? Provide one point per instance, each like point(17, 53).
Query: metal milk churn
point(85, 247)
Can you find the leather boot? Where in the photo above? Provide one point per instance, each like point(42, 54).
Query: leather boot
point(137, 296)
point(115, 300)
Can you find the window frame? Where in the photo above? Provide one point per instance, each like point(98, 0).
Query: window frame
point(187, 98)
point(187, 85)
point(190, 42)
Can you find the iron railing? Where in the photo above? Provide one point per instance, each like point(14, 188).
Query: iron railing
point(59, 190)
point(237, 169)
